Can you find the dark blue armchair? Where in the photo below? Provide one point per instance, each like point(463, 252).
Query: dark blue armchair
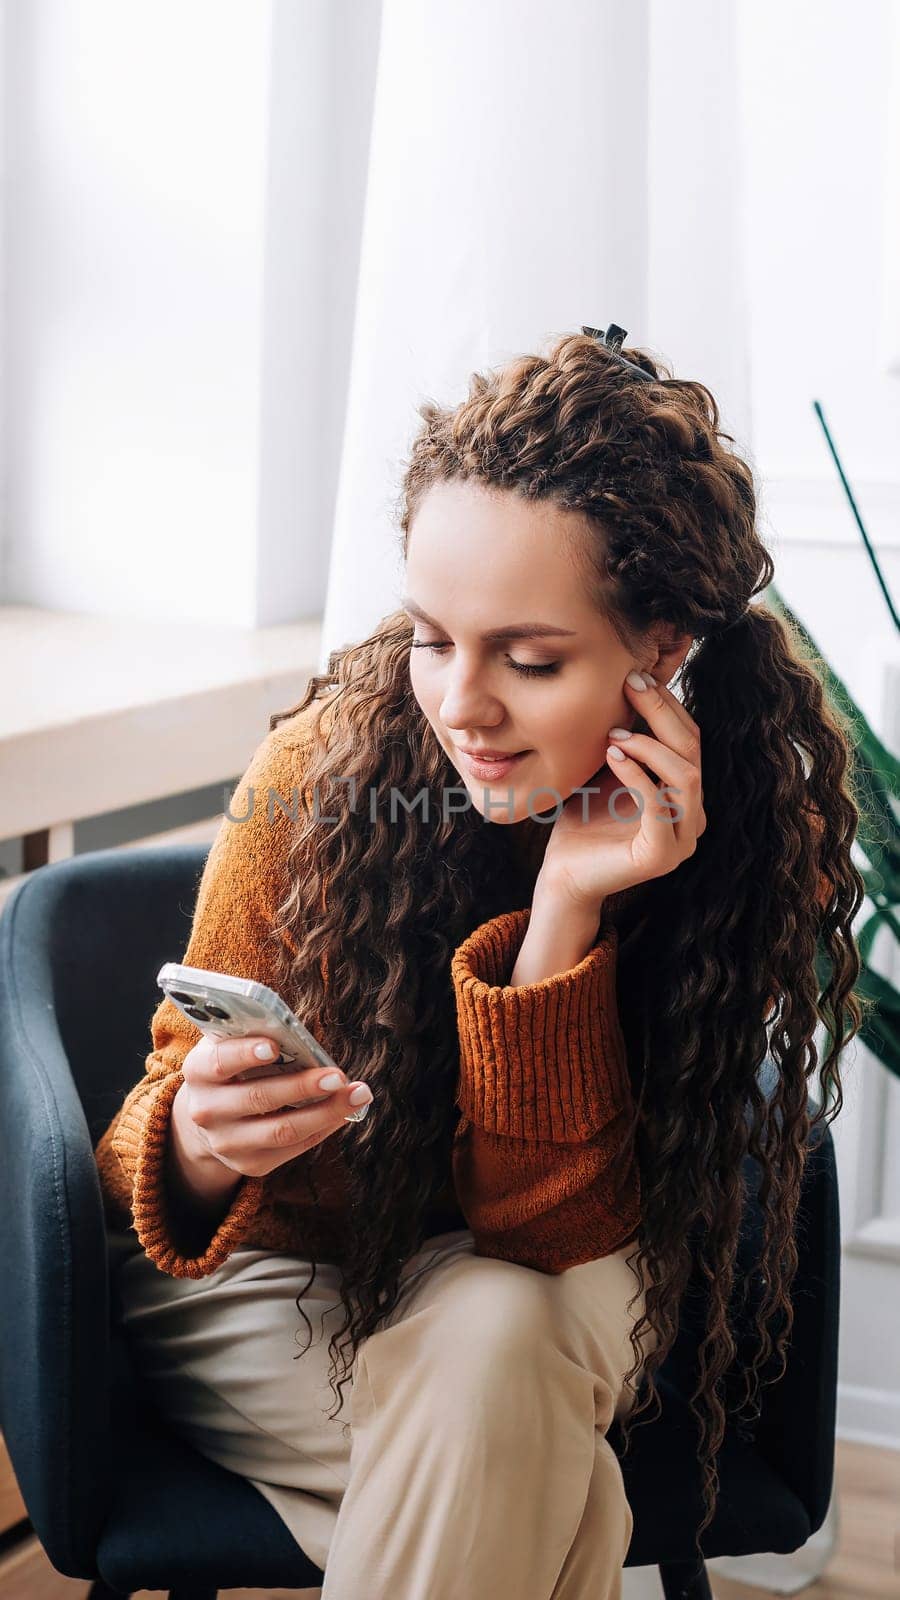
point(114, 1496)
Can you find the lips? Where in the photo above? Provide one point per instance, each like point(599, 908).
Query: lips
point(490, 755)
point(489, 770)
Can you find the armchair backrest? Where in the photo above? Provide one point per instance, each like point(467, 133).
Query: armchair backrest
point(81, 942)
point(794, 1429)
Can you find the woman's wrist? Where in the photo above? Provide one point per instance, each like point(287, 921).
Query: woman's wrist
point(558, 937)
point(196, 1181)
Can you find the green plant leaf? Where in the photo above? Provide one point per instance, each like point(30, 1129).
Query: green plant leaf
point(877, 770)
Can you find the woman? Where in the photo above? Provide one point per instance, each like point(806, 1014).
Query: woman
point(558, 978)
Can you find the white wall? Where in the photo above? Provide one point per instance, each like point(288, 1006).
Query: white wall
point(4, 110)
point(134, 258)
point(822, 165)
point(180, 282)
point(817, 87)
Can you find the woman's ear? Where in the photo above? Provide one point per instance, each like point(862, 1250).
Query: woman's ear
point(671, 649)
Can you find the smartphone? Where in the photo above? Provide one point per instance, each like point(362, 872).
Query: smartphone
point(224, 1007)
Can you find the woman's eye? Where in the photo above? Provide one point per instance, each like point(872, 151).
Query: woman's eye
point(525, 667)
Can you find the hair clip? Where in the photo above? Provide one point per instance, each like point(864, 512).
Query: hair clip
point(612, 341)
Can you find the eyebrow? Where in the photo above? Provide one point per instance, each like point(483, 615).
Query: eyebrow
point(513, 630)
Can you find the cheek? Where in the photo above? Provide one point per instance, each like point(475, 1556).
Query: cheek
point(427, 696)
point(575, 745)
point(418, 681)
point(579, 733)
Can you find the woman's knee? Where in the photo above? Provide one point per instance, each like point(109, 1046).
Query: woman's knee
point(499, 1325)
point(486, 1327)
point(488, 1341)
point(491, 1311)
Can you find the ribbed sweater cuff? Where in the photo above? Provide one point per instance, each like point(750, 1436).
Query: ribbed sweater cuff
point(149, 1206)
point(542, 1060)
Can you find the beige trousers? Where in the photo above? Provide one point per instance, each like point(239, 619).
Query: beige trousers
point(476, 1463)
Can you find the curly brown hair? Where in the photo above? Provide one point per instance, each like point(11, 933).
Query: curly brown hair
point(716, 960)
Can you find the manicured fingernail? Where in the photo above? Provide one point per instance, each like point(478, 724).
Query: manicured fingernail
point(332, 1080)
point(360, 1096)
point(358, 1115)
point(636, 681)
point(265, 1052)
point(649, 678)
point(616, 755)
point(620, 733)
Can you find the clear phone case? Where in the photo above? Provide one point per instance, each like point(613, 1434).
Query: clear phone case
point(237, 1008)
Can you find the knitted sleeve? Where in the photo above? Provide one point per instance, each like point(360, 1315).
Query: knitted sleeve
point(545, 1100)
point(228, 934)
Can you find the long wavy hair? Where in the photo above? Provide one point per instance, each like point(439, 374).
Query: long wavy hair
point(716, 960)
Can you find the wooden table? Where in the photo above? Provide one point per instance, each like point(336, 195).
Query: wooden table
point(98, 713)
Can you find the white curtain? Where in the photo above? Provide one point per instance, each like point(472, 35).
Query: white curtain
point(531, 168)
point(890, 303)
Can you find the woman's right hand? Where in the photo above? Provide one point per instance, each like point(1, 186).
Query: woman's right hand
point(252, 1128)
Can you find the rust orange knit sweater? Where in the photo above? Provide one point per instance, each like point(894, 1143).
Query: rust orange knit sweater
point(543, 1087)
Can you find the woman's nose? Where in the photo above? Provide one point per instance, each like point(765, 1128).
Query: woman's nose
point(468, 711)
point(466, 704)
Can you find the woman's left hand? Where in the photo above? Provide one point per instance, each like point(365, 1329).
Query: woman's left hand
point(597, 848)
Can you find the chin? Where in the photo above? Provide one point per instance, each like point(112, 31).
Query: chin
point(509, 815)
point(501, 813)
